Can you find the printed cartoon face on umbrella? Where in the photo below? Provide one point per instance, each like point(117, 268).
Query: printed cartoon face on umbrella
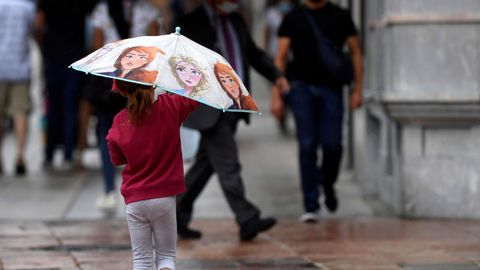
point(172, 63)
point(131, 62)
point(230, 84)
point(188, 74)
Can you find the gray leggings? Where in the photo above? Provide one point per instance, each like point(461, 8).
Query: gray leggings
point(155, 216)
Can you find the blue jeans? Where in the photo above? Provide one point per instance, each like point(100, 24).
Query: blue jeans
point(105, 120)
point(318, 113)
point(63, 92)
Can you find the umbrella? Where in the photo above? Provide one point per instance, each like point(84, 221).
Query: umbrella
point(175, 64)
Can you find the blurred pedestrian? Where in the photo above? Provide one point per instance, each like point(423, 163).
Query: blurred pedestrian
point(316, 97)
point(60, 27)
point(145, 137)
point(275, 11)
point(217, 26)
point(16, 29)
point(142, 20)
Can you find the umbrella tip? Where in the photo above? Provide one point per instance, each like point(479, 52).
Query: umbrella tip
point(177, 30)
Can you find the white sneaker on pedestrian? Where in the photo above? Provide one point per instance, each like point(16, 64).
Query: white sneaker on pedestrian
point(107, 202)
point(310, 217)
point(66, 167)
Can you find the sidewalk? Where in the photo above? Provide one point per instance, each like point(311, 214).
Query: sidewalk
point(333, 244)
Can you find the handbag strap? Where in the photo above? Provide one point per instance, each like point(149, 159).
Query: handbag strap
point(319, 36)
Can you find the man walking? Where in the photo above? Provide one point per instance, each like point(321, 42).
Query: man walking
point(16, 29)
point(217, 26)
point(316, 97)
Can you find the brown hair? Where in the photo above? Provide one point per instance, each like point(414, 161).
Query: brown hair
point(140, 99)
point(223, 68)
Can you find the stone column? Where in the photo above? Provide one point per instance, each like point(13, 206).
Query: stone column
point(417, 144)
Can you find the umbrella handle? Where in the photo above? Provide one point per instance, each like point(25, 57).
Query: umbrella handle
point(177, 30)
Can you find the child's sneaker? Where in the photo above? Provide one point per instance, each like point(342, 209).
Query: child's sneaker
point(310, 217)
point(106, 202)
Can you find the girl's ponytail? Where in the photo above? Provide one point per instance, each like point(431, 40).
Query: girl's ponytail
point(140, 99)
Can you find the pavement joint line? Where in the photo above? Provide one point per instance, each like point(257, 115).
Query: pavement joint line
point(462, 266)
point(83, 183)
point(83, 248)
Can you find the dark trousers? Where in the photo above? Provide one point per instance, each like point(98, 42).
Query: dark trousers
point(318, 113)
point(105, 120)
point(62, 86)
point(217, 153)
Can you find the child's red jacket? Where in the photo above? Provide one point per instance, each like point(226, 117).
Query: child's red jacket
point(151, 149)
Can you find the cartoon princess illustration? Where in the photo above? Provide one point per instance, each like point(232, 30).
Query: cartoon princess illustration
point(189, 75)
point(131, 62)
point(230, 84)
point(102, 51)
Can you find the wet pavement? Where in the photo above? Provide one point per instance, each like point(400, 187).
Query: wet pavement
point(333, 244)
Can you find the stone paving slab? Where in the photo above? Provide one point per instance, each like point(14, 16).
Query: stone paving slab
point(332, 244)
point(443, 267)
point(38, 260)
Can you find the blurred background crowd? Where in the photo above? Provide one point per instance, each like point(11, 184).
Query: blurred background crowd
point(410, 145)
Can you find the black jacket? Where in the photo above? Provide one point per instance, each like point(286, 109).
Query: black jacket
point(198, 27)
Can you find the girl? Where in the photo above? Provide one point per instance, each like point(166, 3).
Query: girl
point(146, 138)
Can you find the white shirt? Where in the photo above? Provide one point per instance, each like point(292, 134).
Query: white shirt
point(222, 42)
point(273, 19)
point(16, 28)
point(143, 13)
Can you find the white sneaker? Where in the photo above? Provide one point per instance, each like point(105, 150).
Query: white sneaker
point(310, 217)
point(107, 202)
point(66, 167)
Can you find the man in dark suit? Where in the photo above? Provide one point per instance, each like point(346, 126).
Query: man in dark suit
point(217, 26)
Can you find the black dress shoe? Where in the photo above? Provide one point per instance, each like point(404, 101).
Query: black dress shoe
point(186, 233)
point(331, 201)
point(251, 228)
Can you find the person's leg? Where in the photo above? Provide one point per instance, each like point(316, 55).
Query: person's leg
point(19, 108)
point(105, 120)
point(140, 232)
point(195, 179)
point(222, 151)
point(54, 104)
point(303, 105)
point(3, 106)
point(71, 86)
point(85, 110)
point(330, 131)
point(107, 201)
point(163, 221)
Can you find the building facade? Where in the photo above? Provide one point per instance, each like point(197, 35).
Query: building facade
point(416, 143)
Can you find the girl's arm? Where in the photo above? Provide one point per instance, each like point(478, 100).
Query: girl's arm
point(184, 106)
point(116, 155)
